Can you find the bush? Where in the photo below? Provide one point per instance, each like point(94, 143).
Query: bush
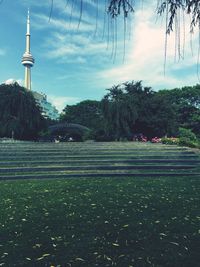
point(184, 141)
point(170, 140)
point(187, 135)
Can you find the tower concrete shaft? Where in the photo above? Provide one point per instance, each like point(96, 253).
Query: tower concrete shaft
point(27, 59)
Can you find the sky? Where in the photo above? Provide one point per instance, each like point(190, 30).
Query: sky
point(77, 62)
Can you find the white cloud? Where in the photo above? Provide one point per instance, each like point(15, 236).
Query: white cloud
point(62, 49)
point(145, 59)
point(41, 21)
point(64, 43)
point(61, 101)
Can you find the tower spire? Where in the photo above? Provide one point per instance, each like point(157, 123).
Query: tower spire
point(27, 59)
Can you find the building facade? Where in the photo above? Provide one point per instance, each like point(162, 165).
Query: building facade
point(48, 110)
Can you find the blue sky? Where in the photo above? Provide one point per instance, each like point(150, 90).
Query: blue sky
point(74, 64)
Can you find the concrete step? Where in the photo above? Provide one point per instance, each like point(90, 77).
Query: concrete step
point(37, 161)
point(90, 161)
point(100, 152)
point(79, 148)
point(98, 175)
point(89, 157)
point(95, 168)
point(95, 155)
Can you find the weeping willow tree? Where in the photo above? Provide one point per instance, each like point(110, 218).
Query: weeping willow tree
point(121, 11)
point(122, 107)
point(173, 11)
point(125, 7)
point(20, 117)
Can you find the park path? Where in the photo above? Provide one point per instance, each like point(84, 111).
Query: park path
point(92, 159)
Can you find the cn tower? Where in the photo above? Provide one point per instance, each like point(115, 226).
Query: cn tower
point(27, 59)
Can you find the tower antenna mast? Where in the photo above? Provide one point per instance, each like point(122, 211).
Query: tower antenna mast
point(27, 59)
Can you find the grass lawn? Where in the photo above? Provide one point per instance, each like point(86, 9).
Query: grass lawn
point(100, 222)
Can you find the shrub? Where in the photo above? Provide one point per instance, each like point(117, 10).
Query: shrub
point(184, 141)
point(170, 140)
point(187, 134)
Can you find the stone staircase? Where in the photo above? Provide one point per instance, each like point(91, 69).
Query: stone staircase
point(123, 159)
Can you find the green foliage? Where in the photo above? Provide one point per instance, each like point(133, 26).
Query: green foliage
point(122, 108)
point(188, 138)
point(168, 8)
point(130, 108)
point(87, 113)
point(186, 104)
point(20, 116)
point(172, 8)
point(188, 134)
point(159, 117)
point(184, 141)
point(64, 131)
point(170, 140)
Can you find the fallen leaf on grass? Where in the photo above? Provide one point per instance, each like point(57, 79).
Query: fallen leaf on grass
point(39, 259)
point(43, 256)
point(115, 244)
point(162, 234)
point(174, 243)
point(79, 259)
point(108, 258)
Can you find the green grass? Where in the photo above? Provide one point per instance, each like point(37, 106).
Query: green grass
point(100, 222)
point(151, 220)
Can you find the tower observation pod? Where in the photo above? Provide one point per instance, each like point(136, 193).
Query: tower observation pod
point(27, 59)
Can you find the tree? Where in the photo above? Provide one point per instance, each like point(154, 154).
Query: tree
point(112, 106)
point(174, 12)
point(87, 113)
point(20, 116)
point(131, 108)
point(158, 117)
point(171, 8)
point(186, 103)
point(123, 107)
